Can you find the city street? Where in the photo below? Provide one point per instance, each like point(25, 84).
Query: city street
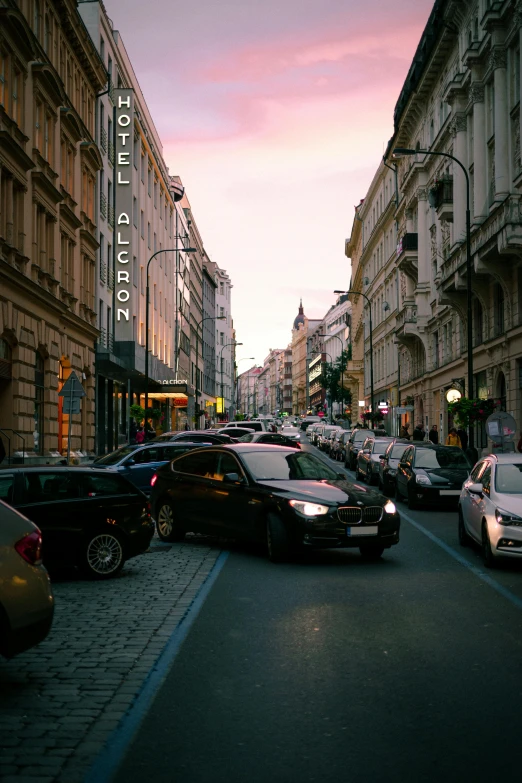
point(325, 668)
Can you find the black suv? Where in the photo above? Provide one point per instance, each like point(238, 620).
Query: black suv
point(92, 519)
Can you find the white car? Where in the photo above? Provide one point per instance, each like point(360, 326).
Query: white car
point(291, 432)
point(490, 507)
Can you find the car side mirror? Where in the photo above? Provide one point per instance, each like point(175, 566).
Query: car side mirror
point(232, 478)
point(476, 489)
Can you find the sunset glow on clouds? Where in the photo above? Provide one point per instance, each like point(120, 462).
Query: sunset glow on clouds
point(276, 116)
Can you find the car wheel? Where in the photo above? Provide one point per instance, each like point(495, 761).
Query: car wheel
point(166, 524)
point(102, 555)
point(463, 535)
point(371, 551)
point(276, 539)
point(487, 554)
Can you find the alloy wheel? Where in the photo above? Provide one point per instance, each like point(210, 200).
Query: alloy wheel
point(104, 554)
point(165, 521)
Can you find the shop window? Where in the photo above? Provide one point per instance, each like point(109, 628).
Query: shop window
point(39, 387)
point(5, 360)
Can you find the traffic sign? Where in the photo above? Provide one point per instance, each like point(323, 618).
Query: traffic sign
point(501, 426)
point(72, 387)
point(71, 405)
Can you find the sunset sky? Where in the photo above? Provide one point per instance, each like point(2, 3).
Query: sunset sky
point(275, 115)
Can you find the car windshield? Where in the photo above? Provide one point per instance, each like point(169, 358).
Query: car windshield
point(379, 447)
point(285, 466)
point(246, 438)
point(115, 456)
point(398, 450)
point(508, 479)
point(441, 458)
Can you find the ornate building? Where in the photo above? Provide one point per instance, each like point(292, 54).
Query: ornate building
point(301, 330)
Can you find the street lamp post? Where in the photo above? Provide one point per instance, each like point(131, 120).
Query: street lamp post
point(200, 323)
point(360, 293)
point(342, 366)
point(398, 152)
point(147, 298)
point(221, 366)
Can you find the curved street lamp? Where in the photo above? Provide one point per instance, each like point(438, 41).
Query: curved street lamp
point(360, 293)
point(166, 250)
point(227, 345)
point(398, 152)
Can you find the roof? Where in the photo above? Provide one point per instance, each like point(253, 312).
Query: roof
point(509, 457)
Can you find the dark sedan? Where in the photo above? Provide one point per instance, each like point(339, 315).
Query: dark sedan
point(275, 438)
point(139, 463)
point(88, 518)
point(431, 474)
point(195, 436)
point(271, 494)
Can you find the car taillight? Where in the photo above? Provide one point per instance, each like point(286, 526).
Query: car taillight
point(154, 479)
point(30, 548)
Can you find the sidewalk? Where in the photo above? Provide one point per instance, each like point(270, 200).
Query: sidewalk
point(60, 701)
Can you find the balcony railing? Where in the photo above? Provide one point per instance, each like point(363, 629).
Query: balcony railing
point(408, 315)
point(408, 242)
point(103, 271)
point(103, 139)
point(441, 197)
point(111, 216)
point(103, 205)
point(110, 280)
point(111, 152)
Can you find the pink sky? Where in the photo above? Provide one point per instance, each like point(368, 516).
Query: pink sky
point(276, 116)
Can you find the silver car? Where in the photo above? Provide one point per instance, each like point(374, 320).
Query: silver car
point(490, 507)
point(368, 459)
point(26, 599)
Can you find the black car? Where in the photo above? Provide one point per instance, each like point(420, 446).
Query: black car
point(237, 432)
point(389, 462)
point(92, 519)
point(139, 463)
point(275, 438)
point(431, 474)
point(273, 494)
point(195, 436)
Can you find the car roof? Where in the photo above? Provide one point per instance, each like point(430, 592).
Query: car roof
point(510, 457)
point(53, 468)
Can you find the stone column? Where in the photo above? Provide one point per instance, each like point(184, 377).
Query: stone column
point(459, 128)
point(499, 64)
point(480, 202)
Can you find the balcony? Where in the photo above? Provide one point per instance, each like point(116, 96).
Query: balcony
point(111, 216)
point(111, 153)
point(103, 205)
point(441, 197)
point(103, 139)
point(103, 272)
point(408, 254)
point(110, 280)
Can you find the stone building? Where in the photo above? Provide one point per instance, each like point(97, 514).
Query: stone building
point(301, 330)
point(50, 75)
point(225, 352)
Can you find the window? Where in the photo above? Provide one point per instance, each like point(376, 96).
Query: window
point(142, 224)
point(142, 173)
point(499, 309)
point(198, 464)
point(49, 486)
point(6, 487)
point(135, 271)
point(4, 79)
point(134, 211)
point(94, 486)
point(39, 388)
point(136, 151)
point(144, 456)
point(478, 322)
point(102, 49)
point(221, 312)
point(148, 235)
point(486, 480)
point(149, 182)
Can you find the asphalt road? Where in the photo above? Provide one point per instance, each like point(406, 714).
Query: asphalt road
point(330, 668)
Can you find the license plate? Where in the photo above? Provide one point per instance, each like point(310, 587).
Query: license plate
point(450, 491)
point(371, 530)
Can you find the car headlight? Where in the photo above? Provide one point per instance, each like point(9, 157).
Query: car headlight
point(309, 509)
point(390, 508)
point(507, 518)
point(422, 478)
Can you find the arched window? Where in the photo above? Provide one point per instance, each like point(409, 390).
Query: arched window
point(39, 385)
point(5, 360)
point(499, 309)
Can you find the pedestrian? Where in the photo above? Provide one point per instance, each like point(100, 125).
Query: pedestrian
point(2, 450)
point(187, 425)
point(418, 432)
point(151, 432)
point(463, 435)
point(433, 434)
point(404, 432)
point(140, 435)
point(133, 429)
point(453, 439)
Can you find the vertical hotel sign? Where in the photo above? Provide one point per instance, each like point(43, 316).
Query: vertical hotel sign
point(123, 240)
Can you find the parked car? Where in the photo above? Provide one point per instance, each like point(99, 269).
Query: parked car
point(342, 443)
point(239, 431)
point(428, 474)
point(323, 442)
point(310, 430)
point(26, 598)
point(139, 463)
point(286, 498)
point(275, 438)
point(308, 420)
point(356, 441)
point(195, 436)
point(90, 518)
point(388, 465)
point(490, 508)
point(335, 445)
point(368, 458)
point(292, 433)
point(257, 426)
point(315, 433)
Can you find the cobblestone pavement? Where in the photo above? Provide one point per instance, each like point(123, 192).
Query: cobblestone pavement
point(60, 701)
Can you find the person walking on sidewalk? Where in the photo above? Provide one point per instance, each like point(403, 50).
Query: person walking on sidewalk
point(453, 439)
point(433, 435)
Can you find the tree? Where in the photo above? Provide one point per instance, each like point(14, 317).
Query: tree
point(330, 378)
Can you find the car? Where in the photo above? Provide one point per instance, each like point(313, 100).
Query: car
point(323, 442)
point(292, 433)
point(431, 474)
point(388, 465)
point(239, 431)
point(285, 498)
point(26, 597)
point(368, 458)
point(342, 442)
point(257, 426)
point(335, 448)
point(275, 438)
point(139, 463)
point(194, 436)
point(310, 431)
point(315, 432)
point(330, 445)
point(308, 420)
point(92, 519)
point(490, 508)
point(356, 441)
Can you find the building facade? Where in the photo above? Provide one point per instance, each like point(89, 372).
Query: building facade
point(301, 330)
point(335, 327)
point(247, 391)
point(207, 398)
point(225, 352)
point(50, 76)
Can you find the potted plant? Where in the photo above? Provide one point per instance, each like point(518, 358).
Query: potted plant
point(468, 411)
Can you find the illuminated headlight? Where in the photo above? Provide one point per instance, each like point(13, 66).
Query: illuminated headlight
point(507, 518)
point(309, 509)
point(422, 478)
point(390, 508)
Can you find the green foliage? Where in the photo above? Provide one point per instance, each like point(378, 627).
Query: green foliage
point(155, 413)
point(467, 411)
point(239, 417)
point(137, 413)
point(330, 378)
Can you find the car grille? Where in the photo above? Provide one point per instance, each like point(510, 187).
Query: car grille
point(352, 515)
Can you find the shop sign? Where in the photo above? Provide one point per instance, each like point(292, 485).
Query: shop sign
point(180, 402)
point(123, 169)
